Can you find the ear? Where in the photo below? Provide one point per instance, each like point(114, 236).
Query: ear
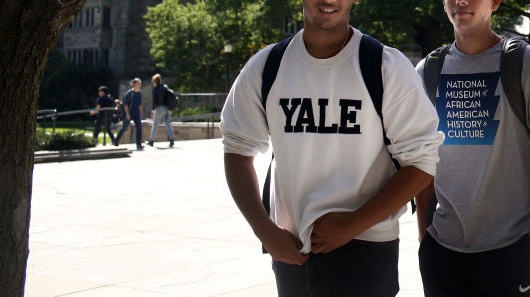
point(495, 5)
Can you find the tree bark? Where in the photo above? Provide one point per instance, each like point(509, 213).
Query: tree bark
point(29, 30)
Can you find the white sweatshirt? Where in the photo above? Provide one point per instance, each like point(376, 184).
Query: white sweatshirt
point(326, 135)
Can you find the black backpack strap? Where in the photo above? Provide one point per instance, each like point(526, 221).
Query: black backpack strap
point(268, 77)
point(433, 68)
point(271, 68)
point(266, 193)
point(431, 76)
point(131, 96)
point(511, 71)
point(370, 59)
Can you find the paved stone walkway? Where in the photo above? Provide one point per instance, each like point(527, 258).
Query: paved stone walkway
point(156, 224)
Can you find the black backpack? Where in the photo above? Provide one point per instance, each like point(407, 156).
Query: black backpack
point(121, 109)
point(171, 99)
point(370, 58)
point(107, 101)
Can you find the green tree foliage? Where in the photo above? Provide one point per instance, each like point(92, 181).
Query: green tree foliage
point(276, 17)
point(423, 25)
point(407, 25)
point(185, 42)
point(385, 20)
point(188, 39)
point(510, 13)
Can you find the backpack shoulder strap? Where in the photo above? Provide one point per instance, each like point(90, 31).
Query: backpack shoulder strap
point(268, 77)
point(129, 96)
point(271, 68)
point(433, 68)
point(511, 71)
point(370, 60)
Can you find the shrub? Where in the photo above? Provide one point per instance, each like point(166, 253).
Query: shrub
point(68, 140)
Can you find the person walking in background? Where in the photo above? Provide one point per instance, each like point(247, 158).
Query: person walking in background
point(336, 197)
point(116, 115)
point(159, 111)
point(103, 117)
point(132, 108)
point(478, 243)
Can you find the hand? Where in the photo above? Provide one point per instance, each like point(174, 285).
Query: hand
point(330, 231)
point(128, 117)
point(284, 247)
point(152, 114)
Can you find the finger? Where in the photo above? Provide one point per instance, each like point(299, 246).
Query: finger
point(294, 258)
point(300, 259)
point(315, 239)
point(317, 248)
point(303, 258)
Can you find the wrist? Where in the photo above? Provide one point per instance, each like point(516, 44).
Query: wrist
point(265, 230)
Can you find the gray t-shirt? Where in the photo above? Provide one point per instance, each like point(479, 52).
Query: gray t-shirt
point(483, 178)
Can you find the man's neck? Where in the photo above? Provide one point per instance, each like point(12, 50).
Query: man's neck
point(475, 43)
point(323, 46)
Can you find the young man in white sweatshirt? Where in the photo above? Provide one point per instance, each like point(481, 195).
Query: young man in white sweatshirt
point(335, 196)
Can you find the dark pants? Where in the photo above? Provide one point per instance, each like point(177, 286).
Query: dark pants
point(503, 272)
point(100, 121)
point(125, 124)
point(357, 269)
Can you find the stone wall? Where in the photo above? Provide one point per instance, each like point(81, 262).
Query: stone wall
point(182, 131)
point(138, 59)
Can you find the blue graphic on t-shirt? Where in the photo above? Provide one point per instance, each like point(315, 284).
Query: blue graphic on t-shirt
point(466, 105)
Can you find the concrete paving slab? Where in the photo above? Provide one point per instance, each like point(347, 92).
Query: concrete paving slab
point(99, 152)
point(159, 223)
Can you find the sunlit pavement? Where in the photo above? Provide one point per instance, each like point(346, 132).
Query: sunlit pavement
point(158, 223)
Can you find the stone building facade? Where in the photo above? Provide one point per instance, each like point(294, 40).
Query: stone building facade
point(111, 33)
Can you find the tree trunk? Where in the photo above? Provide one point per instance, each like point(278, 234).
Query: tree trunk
point(28, 32)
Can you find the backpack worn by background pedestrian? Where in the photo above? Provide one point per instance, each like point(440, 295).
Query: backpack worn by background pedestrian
point(171, 98)
point(122, 114)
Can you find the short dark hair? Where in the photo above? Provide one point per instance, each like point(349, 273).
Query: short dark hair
point(105, 89)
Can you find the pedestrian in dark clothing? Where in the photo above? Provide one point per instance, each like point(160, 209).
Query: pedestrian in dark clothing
point(159, 111)
point(132, 107)
point(103, 117)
